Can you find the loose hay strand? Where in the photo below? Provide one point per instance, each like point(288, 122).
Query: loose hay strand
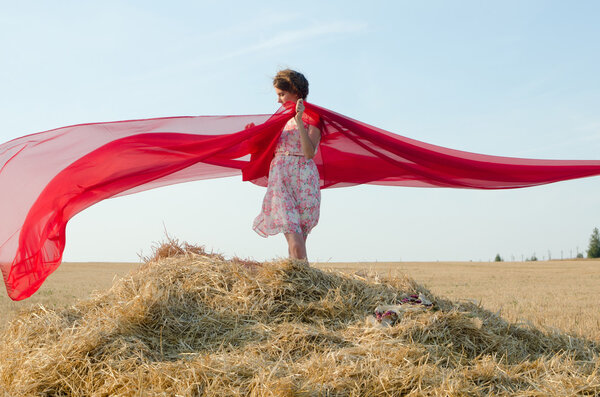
point(191, 323)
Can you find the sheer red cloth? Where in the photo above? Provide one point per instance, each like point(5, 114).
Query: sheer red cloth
point(47, 178)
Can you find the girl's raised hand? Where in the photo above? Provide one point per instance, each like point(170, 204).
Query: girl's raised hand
point(299, 108)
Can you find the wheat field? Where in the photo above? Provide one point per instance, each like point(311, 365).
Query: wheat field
point(558, 294)
point(555, 294)
point(71, 282)
point(188, 323)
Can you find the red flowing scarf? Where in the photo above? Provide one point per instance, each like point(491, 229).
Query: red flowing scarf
point(47, 178)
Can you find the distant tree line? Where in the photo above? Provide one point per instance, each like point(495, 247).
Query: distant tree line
point(593, 250)
point(594, 247)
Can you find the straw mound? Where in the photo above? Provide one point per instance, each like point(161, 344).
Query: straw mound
point(197, 324)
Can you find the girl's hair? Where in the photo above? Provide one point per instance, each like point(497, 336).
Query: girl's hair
point(291, 81)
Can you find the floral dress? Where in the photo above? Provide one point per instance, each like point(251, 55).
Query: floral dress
point(293, 197)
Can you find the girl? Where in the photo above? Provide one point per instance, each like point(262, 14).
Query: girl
point(293, 198)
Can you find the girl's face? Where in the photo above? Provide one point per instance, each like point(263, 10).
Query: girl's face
point(285, 96)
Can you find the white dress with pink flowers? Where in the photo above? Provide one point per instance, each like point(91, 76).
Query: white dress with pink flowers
point(293, 198)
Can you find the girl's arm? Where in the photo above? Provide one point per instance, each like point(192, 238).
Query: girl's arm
point(308, 139)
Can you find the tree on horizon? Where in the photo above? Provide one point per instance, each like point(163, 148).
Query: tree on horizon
point(594, 247)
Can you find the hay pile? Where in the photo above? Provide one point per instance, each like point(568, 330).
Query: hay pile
point(197, 324)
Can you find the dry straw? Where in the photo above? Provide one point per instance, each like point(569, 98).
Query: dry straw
point(188, 323)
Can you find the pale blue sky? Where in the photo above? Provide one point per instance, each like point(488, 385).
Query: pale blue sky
point(508, 78)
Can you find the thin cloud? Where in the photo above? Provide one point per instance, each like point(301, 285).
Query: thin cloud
point(282, 39)
point(298, 36)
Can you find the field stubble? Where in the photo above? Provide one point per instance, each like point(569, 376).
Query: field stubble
point(554, 294)
point(201, 325)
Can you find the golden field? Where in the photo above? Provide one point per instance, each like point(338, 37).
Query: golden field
point(190, 323)
point(559, 294)
point(69, 283)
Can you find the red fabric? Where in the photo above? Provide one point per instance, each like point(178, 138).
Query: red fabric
point(47, 178)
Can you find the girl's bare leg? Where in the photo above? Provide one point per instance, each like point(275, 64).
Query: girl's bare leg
point(296, 245)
